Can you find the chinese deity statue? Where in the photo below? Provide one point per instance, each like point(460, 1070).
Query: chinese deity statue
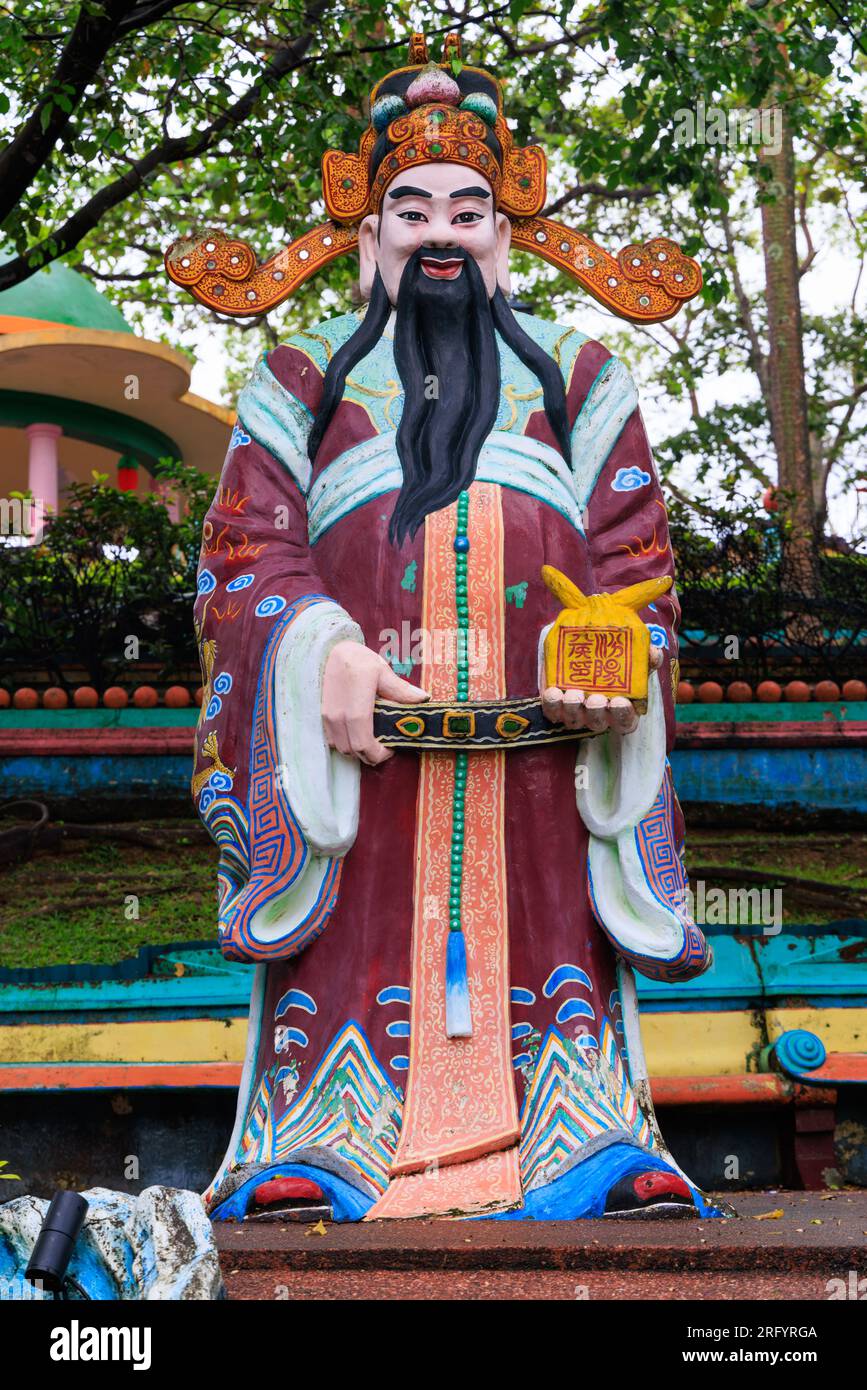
point(445, 864)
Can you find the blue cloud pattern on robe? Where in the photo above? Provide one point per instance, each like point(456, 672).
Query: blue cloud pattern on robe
point(630, 479)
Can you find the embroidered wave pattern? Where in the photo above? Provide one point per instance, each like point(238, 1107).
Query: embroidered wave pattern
point(227, 823)
point(667, 879)
point(349, 1106)
point(289, 895)
point(579, 1092)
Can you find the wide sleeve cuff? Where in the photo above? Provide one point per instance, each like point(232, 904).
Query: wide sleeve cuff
point(618, 776)
point(321, 785)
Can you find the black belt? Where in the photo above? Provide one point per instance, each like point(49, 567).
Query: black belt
point(473, 726)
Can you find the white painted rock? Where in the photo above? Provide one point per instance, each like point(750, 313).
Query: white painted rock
point(159, 1245)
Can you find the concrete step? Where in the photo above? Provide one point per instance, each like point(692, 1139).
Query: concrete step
point(762, 1254)
point(483, 1285)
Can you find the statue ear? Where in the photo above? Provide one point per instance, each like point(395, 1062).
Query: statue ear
point(367, 234)
point(504, 241)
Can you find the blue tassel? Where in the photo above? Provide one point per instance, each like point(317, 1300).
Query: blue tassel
point(459, 1021)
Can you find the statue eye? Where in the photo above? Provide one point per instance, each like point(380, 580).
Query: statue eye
point(412, 216)
point(467, 217)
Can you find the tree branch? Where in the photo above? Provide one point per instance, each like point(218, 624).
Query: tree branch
point(802, 221)
point(599, 190)
point(833, 453)
point(76, 68)
point(702, 508)
point(67, 237)
point(144, 14)
point(95, 274)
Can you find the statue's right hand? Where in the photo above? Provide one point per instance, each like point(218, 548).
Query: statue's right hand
point(354, 678)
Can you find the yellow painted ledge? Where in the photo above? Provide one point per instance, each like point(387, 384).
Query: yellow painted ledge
point(181, 1040)
point(726, 1044)
point(676, 1044)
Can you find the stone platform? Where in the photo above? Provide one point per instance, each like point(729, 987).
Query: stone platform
point(819, 1237)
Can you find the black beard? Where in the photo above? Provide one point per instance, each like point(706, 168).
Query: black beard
point(445, 351)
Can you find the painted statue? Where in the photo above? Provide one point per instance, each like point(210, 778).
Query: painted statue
point(445, 864)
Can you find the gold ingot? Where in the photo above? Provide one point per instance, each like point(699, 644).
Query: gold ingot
point(598, 643)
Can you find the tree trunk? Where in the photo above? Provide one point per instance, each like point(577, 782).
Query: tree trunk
point(788, 394)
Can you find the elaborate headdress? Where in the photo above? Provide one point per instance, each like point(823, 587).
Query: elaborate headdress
point(420, 113)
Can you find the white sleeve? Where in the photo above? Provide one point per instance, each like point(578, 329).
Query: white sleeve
point(322, 786)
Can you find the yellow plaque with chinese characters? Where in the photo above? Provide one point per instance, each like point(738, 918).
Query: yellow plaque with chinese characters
point(598, 643)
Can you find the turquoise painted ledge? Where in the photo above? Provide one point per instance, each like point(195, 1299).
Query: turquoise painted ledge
point(821, 966)
point(785, 712)
point(782, 713)
point(98, 718)
point(756, 970)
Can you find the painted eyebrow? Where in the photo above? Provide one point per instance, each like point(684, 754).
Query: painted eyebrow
point(407, 191)
point(475, 191)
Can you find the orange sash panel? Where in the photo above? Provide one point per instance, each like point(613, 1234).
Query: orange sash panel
point(460, 1121)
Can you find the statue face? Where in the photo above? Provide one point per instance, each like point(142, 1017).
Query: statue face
point(435, 205)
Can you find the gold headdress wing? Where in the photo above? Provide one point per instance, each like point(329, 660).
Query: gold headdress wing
point(433, 118)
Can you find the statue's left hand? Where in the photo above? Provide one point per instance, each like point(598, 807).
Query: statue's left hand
point(594, 712)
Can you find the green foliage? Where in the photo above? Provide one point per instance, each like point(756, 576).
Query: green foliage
point(112, 566)
point(63, 909)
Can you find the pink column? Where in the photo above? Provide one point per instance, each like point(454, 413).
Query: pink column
point(170, 499)
point(42, 474)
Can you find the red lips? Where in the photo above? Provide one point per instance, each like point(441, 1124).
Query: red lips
point(441, 270)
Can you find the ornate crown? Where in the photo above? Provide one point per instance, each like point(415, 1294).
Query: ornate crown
point(434, 111)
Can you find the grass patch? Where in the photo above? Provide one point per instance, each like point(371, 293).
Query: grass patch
point(71, 905)
point(839, 862)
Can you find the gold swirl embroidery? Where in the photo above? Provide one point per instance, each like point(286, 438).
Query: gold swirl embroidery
point(210, 750)
point(559, 345)
point(207, 658)
point(513, 396)
point(318, 338)
point(390, 395)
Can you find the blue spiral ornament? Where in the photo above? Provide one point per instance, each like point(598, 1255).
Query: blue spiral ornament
point(214, 707)
point(220, 782)
point(223, 683)
point(243, 581)
point(798, 1050)
point(270, 606)
point(206, 583)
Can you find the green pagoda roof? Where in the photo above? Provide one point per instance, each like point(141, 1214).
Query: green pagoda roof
point(60, 295)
